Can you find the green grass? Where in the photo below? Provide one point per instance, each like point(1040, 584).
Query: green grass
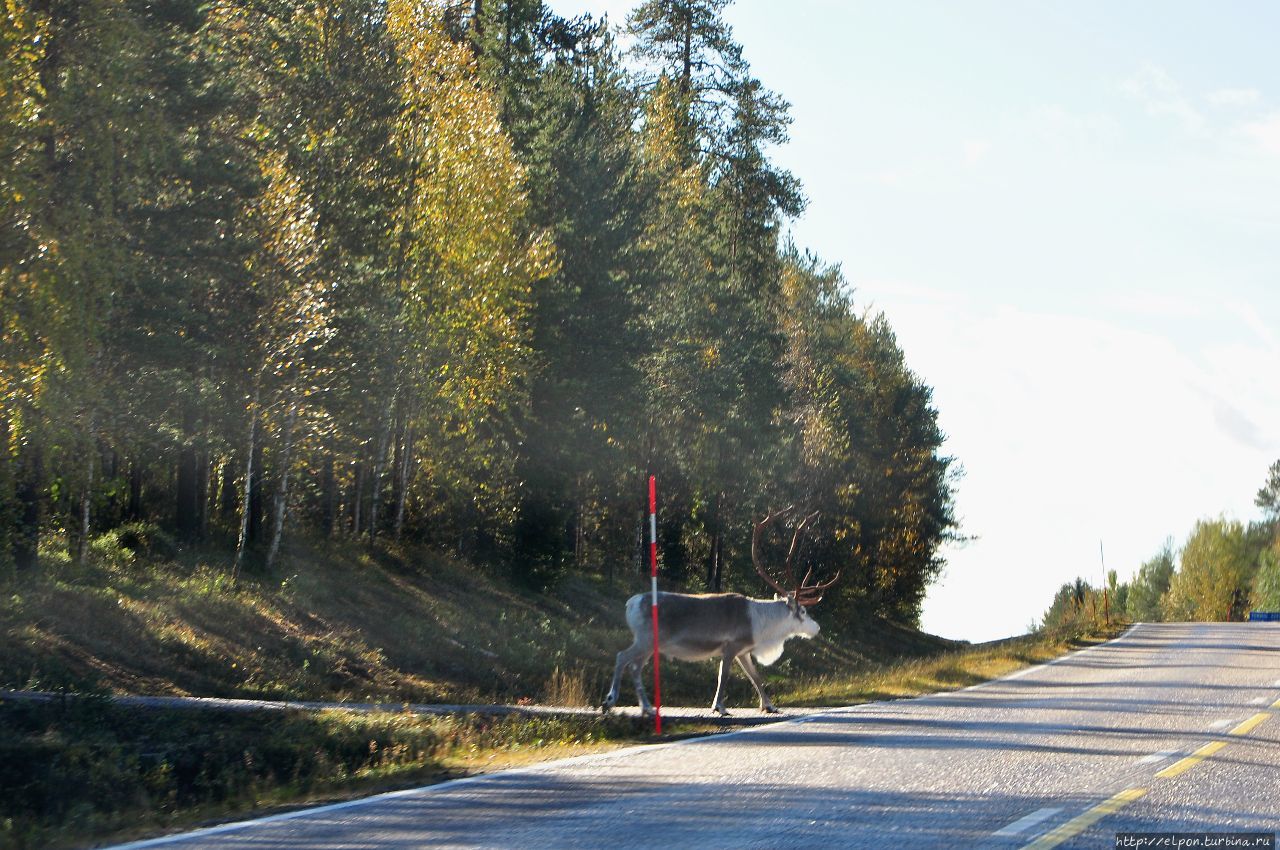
point(91, 770)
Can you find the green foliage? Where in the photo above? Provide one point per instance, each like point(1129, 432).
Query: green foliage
point(1214, 574)
point(86, 767)
point(1077, 610)
point(1266, 582)
point(1268, 497)
point(134, 543)
point(447, 272)
point(1146, 591)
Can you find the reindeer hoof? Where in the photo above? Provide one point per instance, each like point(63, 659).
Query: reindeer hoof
point(720, 710)
point(770, 709)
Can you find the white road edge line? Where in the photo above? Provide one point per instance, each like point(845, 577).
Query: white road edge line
point(1160, 756)
point(1023, 824)
point(1222, 724)
point(547, 765)
point(1258, 700)
point(1033, 668)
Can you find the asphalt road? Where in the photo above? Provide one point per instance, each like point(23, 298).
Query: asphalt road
point(1170, 727)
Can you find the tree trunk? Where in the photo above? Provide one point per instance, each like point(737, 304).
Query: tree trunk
point(406, 467)
point(328, 497)
point(715, 577)
point(30, 483)
point(358, 499)
point(579, 540)
point(686, 56)
point(7, 506)
point(204, 489)
point(376, 496)
point(227, 497)
point(257, 500)
point(282, 487)
point(246, 501)
point(133, 512)
point(86, 493)
point(187, 514)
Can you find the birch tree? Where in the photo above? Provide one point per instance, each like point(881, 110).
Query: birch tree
point(469, 260)
point(292, 322)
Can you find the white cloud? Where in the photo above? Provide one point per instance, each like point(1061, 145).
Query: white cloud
point(975, 150)
point(1064, 128)
point(1148, 303)
point(1264, 133)
point(1161, 95)
point(1251, 319)
point(1235, 97)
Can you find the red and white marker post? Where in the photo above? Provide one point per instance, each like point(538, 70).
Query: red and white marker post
point(653, 577)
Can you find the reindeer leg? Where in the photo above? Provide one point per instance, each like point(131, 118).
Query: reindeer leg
point(646, 707)
point(632, 658)
point(611, 698)
point(725, 666)
point(749, 667)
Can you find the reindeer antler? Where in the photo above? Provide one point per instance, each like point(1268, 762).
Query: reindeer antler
point(759, 527)
point(804, 593)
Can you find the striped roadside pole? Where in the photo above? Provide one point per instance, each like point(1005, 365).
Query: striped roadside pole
point(653, 578)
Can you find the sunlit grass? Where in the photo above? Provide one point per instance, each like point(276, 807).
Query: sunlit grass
point(944, 672)
point(92, 770)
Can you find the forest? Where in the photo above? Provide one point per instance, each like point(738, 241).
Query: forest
point(461, 275)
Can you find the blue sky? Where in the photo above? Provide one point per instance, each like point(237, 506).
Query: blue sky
point(1070, 214)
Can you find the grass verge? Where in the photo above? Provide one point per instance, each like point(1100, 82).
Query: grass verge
point(85, 771)
point(945, 671)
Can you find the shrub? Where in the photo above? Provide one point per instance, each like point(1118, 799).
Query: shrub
point(132, 543)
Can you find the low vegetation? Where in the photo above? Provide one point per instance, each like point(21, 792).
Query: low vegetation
point(1224, 570)
point(85, 769)
point(342, 624)
point(944, 671)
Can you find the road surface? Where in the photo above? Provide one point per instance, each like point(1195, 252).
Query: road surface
point(1170, 727)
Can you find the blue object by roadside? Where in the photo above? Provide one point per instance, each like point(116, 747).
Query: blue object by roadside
point(1256, 616)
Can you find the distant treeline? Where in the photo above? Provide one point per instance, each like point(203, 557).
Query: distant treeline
point(457, 273)
point(1224, 570)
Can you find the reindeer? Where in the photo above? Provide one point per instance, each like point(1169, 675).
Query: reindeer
point(728, 626)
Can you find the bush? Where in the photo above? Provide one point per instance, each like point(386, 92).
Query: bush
point(1266, 584)
point(1150, 585)
point(132, 543)
point(1076, 610)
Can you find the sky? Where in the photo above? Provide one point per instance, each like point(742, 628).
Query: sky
point(1070, 215)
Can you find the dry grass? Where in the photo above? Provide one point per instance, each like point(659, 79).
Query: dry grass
point(943, 672)
point(93, 771)
point(339, 624)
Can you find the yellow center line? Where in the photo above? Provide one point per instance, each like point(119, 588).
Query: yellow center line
point(1209, 749)
point(1083, 821)
point(1247, 726)
point(1080, 823)
point(1191, 760)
